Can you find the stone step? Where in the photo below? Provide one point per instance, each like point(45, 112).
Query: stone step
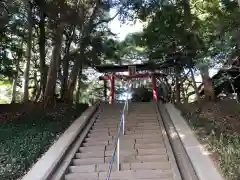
point(111, 122)
point(142, 119)
point(124, 166)
point(155, 151)
point(92, 148)
point(95, 143)
point(87, 161)
point(148, 128)
point(151, 158)
point(111, 132)
point(123, 152)
point(137, 134)
point(149, 146)
point(147, 123)
point(139, 158)
point(127, 131)
point(83, 169)
point(131, 145)
point(141, 136)
point(107, 123)
point(97, 168)
point(131, 136)
point(122, 175)
point(141, 129)
point(105, 167)
point(151, 136)
point(149, 141)
point(141, 174)
point(102, 130)
point(106, 136)
point(90, 139)
point(81, 176)
point(107, 119)
point(135, 123)
point(123, 147)
point(98, 154)
point(101, 147)
point(150, 166)
point(97, 134)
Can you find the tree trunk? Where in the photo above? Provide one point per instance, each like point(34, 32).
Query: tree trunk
point(78, 93)
point(65, 64)
point(196, 42)
point(36, 88)
point(49, 94)
point(84, 41)
point(29, 49)
point(178, 86)
point(42, 44)
point(65, 77)
point(73, 77)
point(194, 85)
point(14, 85)
point(178, 91)
point(185, 100)
point(207, 83)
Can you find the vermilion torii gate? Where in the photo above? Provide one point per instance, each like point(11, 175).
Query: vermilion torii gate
point(133, 73)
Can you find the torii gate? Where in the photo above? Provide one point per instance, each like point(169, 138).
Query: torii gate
point(132, 69)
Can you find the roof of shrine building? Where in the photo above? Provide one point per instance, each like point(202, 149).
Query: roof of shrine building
point(139, 67)
point(220, 81)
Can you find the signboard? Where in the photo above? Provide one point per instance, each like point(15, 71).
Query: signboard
point(131, 70)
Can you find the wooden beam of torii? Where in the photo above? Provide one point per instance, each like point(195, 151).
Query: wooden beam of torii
point(112, 78)
point(126, 77)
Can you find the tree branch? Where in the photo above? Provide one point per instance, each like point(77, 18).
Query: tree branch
point(107, 20)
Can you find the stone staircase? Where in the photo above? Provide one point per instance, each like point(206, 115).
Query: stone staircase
point(143, 153)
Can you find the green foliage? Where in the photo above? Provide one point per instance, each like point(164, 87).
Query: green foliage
point(220, 140)
point(22, 141)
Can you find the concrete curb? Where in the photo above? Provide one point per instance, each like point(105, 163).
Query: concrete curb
point(172, 160)
point(203, 165)
point(183, 162)
point(43, 168)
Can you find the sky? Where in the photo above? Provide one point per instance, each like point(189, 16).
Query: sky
point(123, 30)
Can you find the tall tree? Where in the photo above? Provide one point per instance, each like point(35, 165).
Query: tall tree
point(28, 53)
point(42, 52)
point(49, 93)
point(208, 88)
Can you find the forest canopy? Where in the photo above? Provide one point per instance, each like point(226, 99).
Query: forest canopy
point(46, 45)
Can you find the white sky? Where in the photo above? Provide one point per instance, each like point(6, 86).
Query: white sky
point(123, 30)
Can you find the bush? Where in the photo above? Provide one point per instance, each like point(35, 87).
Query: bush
point(219, 139)
point(23, 141)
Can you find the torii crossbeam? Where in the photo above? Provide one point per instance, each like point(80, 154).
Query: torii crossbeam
point(133, 73)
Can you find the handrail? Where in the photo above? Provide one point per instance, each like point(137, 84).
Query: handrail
point(121, 128)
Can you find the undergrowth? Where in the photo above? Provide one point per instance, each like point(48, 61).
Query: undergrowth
point(24, 140)
point(219, 139)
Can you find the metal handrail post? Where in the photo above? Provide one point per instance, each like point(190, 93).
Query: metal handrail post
point(123, 126)
point(118, 155)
